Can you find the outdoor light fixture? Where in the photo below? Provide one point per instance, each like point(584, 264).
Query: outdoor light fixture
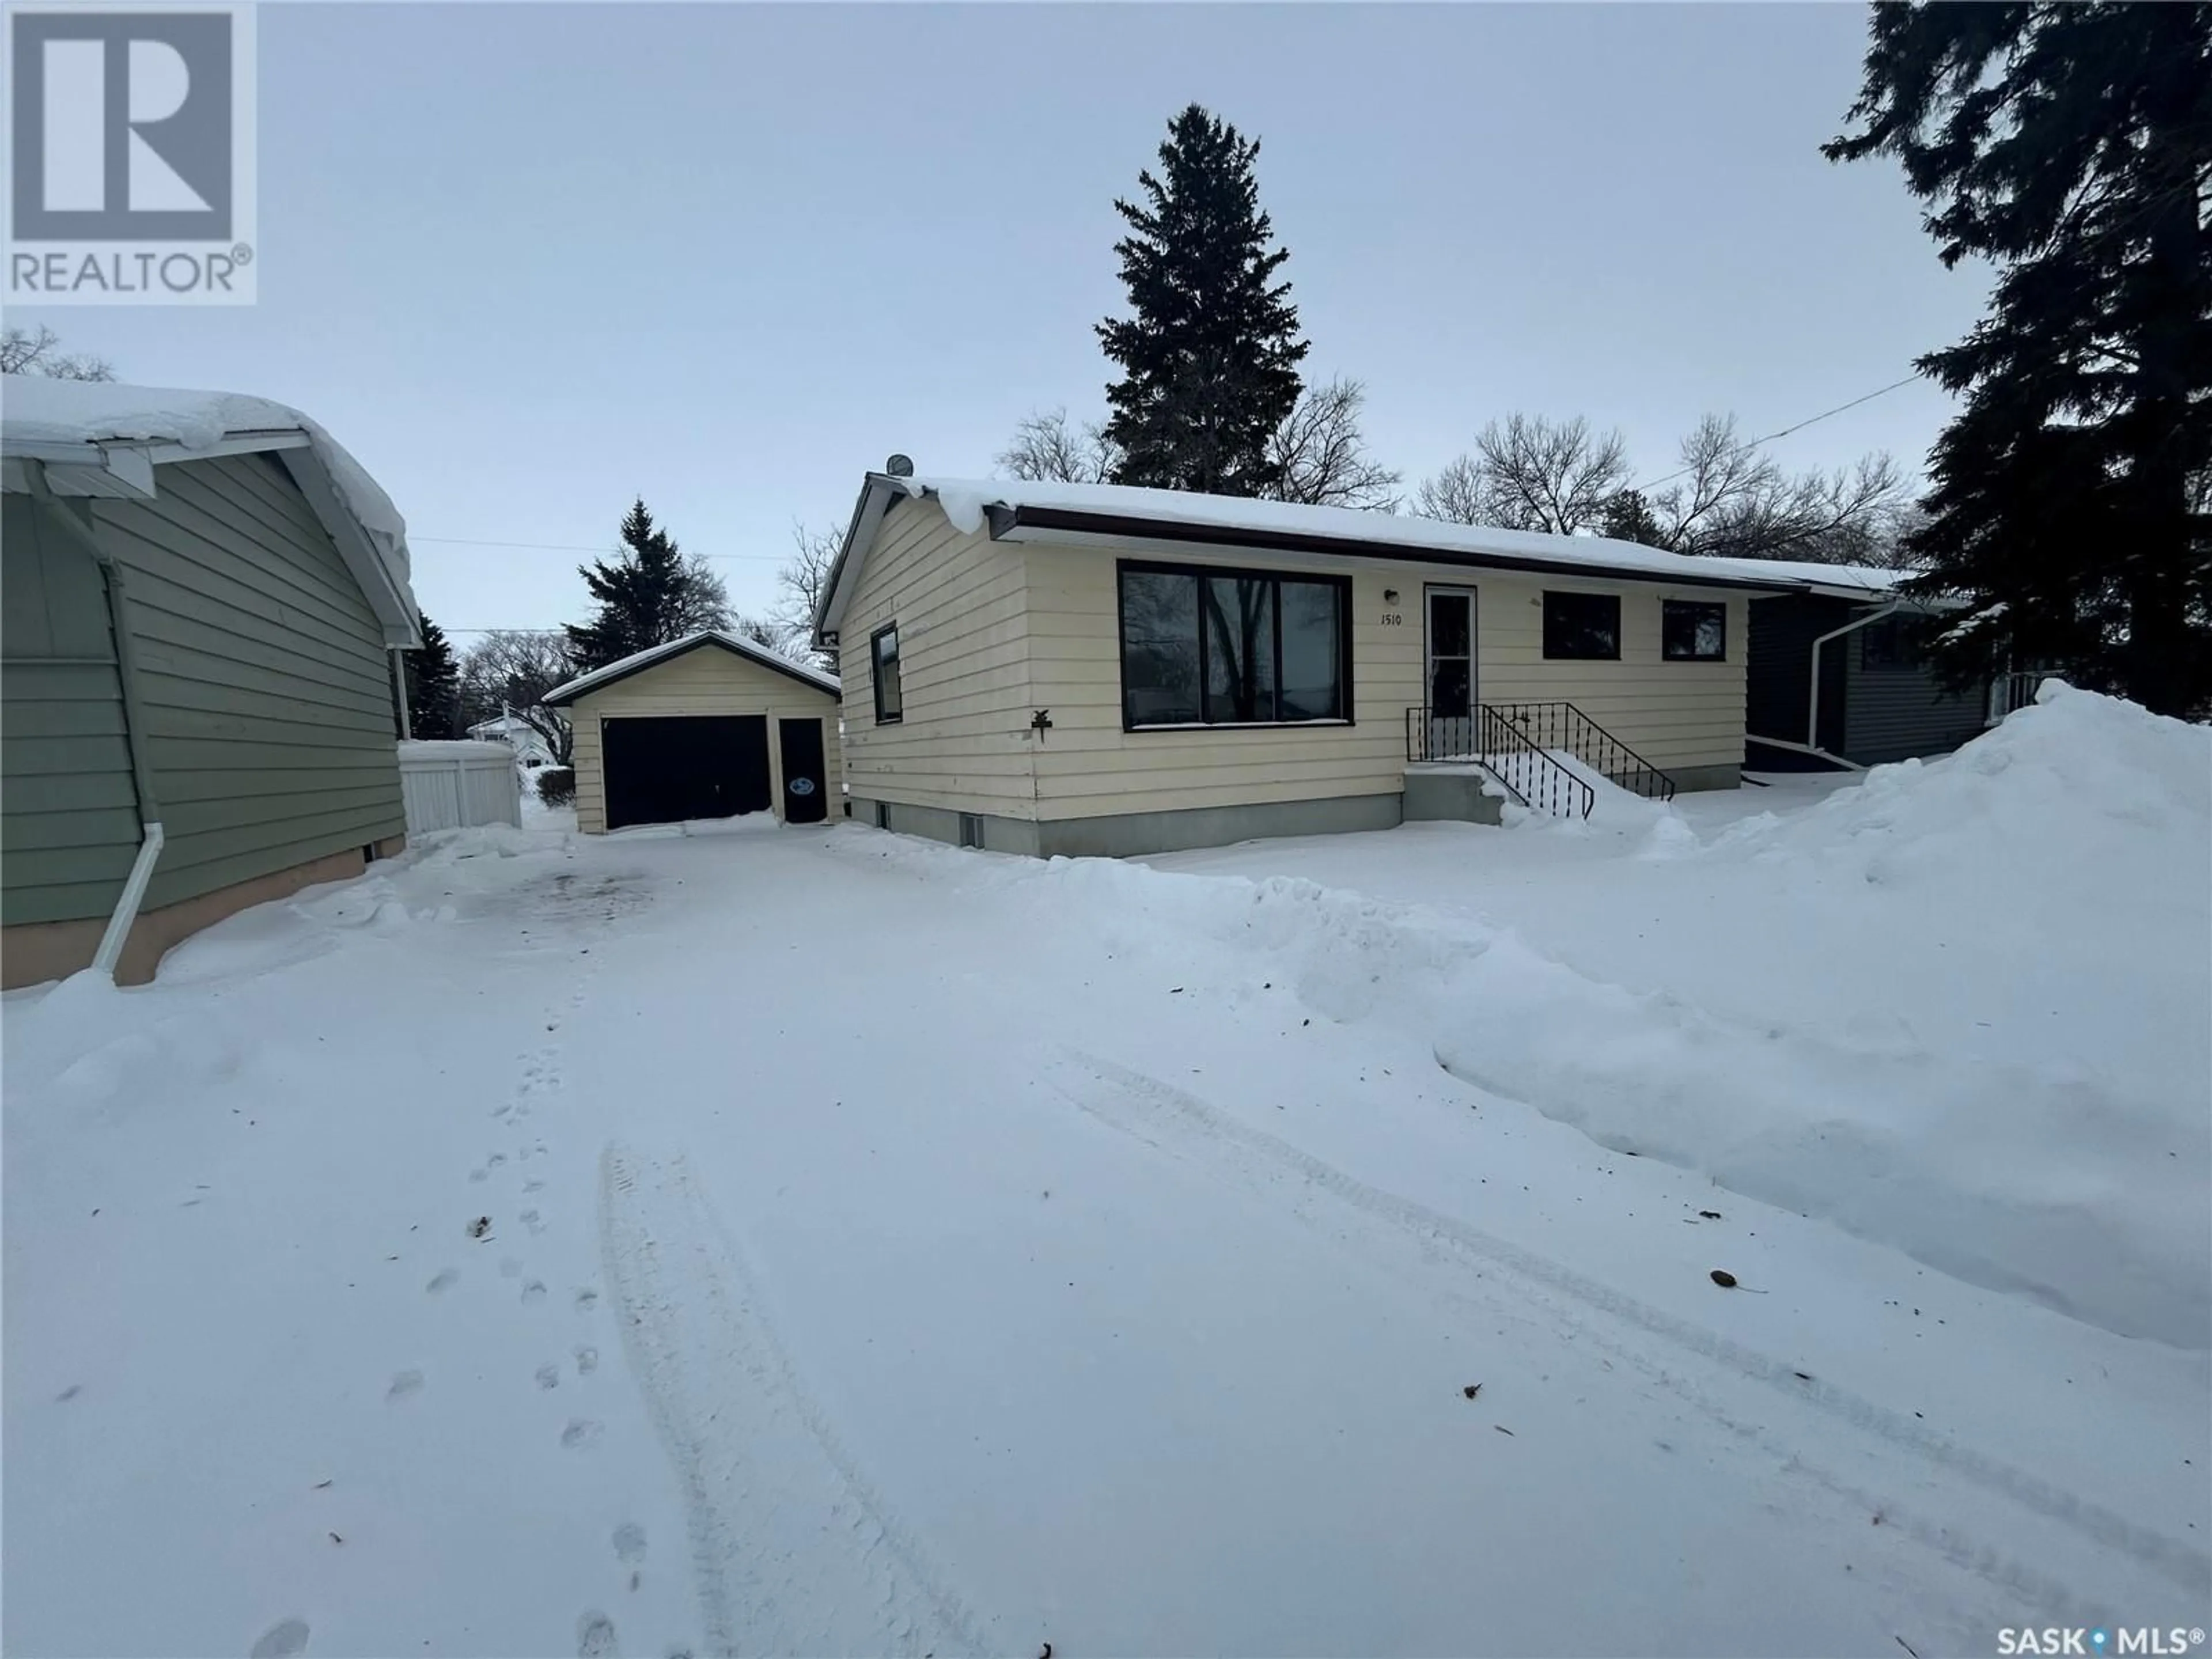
point(1389, 596)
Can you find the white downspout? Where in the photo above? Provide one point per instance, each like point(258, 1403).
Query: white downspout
point(127, 907)
point(125, 914)
point(1812, 743)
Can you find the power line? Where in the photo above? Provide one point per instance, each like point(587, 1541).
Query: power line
point(1810, 420)
point(578, 547)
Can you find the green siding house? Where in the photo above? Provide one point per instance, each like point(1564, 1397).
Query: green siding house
point(200, 596)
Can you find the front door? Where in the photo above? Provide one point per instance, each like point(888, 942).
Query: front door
point(806, 789)
point(1450, 680)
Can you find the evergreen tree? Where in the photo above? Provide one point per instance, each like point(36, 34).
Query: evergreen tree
point(434, 686)
point(2069, 144)
point(1627, 517)
point(1209, 357)
point(650, 595)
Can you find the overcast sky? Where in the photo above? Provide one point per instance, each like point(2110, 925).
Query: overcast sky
point(529, 261)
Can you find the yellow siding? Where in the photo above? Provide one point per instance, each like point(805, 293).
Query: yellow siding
point(707, 681)
point(1675, 714)
point(989, 632)
point(959, 602)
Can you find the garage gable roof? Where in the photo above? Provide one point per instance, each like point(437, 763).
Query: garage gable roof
point(599, 678)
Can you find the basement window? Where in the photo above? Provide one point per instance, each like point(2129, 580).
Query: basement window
point(1690, 631)
point(891, 688)
point(1581, 626)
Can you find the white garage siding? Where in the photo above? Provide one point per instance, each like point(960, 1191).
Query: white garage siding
point(705, 681)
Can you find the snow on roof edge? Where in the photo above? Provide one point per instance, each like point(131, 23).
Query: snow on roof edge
point(36, 409)
point(584, 684)
point(965, 502)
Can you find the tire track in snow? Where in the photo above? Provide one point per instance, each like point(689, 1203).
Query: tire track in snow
point(793, 1549)
point(1177, 1123)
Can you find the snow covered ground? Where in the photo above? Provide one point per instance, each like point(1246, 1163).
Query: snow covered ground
point(886, 1248)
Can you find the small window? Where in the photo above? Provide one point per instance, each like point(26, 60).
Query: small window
point(1692, 632)
point(1583, 627)
point(890, 692)
point(1893, 643)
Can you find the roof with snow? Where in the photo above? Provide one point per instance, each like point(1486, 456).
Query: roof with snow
point(1020, 511)
point(102, 439)
point(637, 662)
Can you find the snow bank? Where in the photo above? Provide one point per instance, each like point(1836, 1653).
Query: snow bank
point(2075, 1172)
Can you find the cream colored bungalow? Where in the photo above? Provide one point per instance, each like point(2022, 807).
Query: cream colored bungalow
point(1048, 668)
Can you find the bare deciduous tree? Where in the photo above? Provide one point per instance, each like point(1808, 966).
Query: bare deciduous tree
point(1045, 448)
point(1733, 501)
point(1319, 458)
point(513, 669)
point(1529, 473)
point(802, 581)
point(38, 351)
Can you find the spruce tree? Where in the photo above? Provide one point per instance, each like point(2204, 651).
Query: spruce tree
point(434, 686)
point(2069, 144)
point(648, 596)
point(1210, 353)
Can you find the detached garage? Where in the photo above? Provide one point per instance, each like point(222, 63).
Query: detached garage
point(708, 726)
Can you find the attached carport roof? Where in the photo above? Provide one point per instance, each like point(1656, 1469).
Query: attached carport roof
point(599, 678)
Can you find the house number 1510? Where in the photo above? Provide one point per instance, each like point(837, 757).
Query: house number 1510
point(1393, 619)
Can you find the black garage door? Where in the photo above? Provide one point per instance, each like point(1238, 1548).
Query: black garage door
point(692, 766)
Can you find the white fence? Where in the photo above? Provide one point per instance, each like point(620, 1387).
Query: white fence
point(452, 785)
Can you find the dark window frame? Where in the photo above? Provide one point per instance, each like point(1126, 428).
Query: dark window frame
point(1550, 656)
point(1904, 650)
point(876, 672)
point(1693, 655)
point(1234, 573)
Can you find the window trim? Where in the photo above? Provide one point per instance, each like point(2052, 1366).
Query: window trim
point(1896, 626)
point(1720, 605)
point(876, 678)
point(1544, 631)
point(1201, 572)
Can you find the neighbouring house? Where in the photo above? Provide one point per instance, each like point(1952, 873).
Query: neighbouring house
point(1839, 675)
point(707, 726)
point(1048, 668)
point(530, 749)
point(203, 593)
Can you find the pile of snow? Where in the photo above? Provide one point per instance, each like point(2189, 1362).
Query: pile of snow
point(2061, 859)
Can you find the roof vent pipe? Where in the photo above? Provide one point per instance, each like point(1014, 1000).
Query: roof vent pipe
point(899, 467)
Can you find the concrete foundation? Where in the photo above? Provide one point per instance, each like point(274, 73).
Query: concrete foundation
point(1451, 793)
point(1126, 835)
point(32, 953)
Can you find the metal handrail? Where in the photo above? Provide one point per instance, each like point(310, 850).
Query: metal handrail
point(1490, 738)
point(1561, 725)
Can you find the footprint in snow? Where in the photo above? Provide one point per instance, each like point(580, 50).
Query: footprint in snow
point(534, 1290)
point(586, 1300)
point(479, 1174)
point(442, 1280)
point(582, 1434)
point(549, 1376)
point(403, 1383)
point(533, 1185)
point(533, 1221)
point(587, 1361)
point(630, 1542)
point(595, 1637)
point(281, 1640)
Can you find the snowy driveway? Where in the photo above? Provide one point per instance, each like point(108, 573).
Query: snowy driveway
point(887, 1248)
